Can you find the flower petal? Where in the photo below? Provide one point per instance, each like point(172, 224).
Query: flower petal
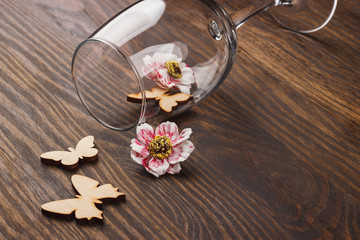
point(169, 129)
point(158, 167)
point(139, 158)
point(143, 161)
point(139, 147)
point(184, 88)
point(164, 79)
point(148, 60)
point(149, 73)
point(187, 74)
point(184, 135)
point(174, 168)
point(173, 57)
point(181, 152)
point(145, 133)
point(188, 78)
point(159, 58)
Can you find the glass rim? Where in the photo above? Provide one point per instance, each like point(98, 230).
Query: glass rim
point(137, 75)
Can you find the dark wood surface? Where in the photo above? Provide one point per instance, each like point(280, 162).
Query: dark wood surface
point(277, 145)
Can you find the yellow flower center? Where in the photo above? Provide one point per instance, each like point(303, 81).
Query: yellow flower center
point(160, 147)
point(173, 68)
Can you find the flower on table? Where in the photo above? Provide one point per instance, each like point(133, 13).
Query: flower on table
point(163, 149)
point(168, 71)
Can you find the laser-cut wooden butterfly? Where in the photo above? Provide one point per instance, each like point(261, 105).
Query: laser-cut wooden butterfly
point(166, 101)
point(84, 204)
point(70, 159)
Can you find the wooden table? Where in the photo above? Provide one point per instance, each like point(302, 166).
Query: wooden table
point(277, 145)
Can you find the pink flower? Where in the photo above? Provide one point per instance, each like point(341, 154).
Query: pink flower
point(162, 150)
point(168, 71)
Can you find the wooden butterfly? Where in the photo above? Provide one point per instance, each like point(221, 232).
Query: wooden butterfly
point(166, 101)
point(69, 159)
point(84, 204)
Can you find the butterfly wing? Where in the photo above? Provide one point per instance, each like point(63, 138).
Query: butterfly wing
point(55, 157)
point(84, 185)
point(85, 148)
point(87, 187)
point(167, 102)
point(65, 207)
point(107, 191)
point(88, 210)
point(84, 208)
point(154, 93)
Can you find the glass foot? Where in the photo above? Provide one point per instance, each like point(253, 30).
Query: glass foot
point(304, 16)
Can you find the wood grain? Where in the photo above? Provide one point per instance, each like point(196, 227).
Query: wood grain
point(277, 145)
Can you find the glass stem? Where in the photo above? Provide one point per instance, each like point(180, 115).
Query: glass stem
point(242, 15)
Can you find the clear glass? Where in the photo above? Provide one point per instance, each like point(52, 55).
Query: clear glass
point(157, 58)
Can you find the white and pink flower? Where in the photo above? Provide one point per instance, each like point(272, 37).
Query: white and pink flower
point(163, 149)
point(168, 71)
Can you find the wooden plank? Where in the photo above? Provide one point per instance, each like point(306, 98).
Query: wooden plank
point(277, 144)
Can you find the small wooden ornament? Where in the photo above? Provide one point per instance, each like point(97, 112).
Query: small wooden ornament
point(70, 159)
point(166, 101)
point(84, 204)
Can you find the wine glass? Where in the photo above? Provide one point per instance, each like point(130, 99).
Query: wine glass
point(158, 58)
